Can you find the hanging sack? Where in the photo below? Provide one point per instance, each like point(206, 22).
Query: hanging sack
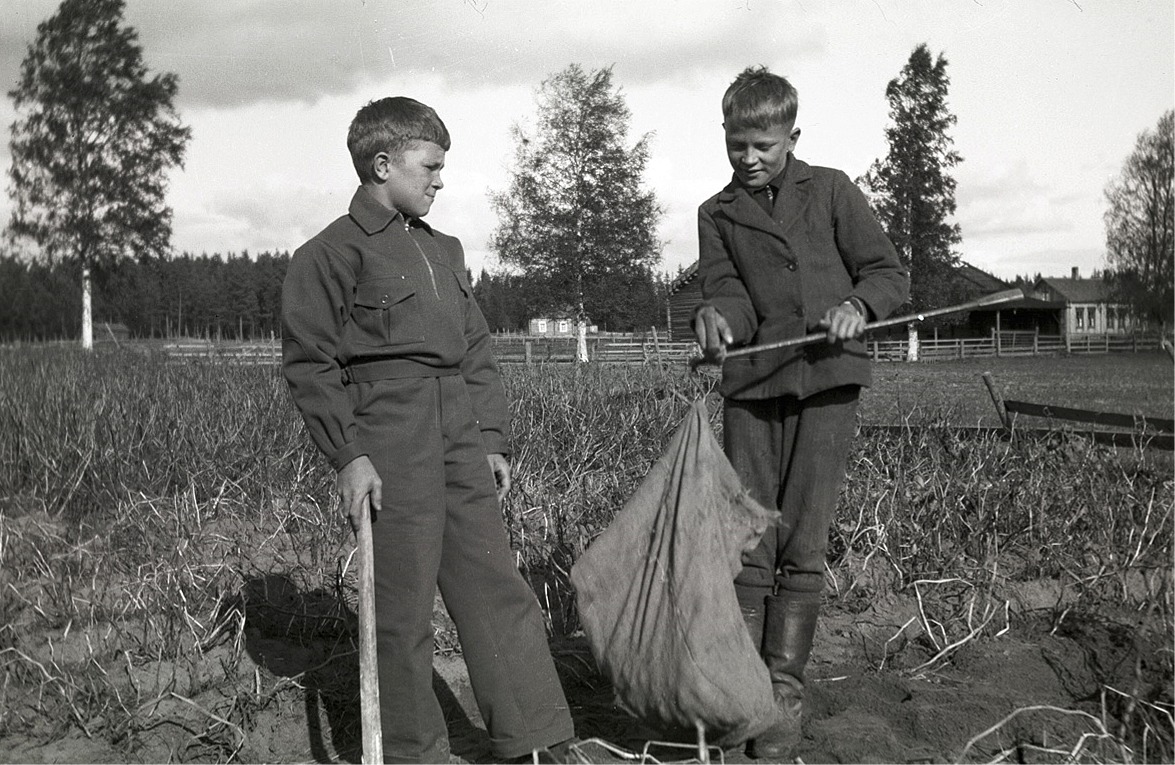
point(655, 593)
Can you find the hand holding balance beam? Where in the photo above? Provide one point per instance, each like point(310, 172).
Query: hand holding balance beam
point(1005, 296)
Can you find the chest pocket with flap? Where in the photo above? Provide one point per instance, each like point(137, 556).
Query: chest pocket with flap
point(386, 313)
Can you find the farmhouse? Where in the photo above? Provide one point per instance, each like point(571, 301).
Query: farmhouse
point(560, 323)
point(1085, 306)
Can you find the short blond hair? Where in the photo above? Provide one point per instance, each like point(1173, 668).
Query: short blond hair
point(390, 124)
point(759, 99)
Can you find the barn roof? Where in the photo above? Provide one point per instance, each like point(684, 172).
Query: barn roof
point(684, 278)
point(1029, 303)
point(984, 281)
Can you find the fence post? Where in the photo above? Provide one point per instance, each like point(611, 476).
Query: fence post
point(527, 351)
point(1068, 343)
point(1036, 341)
point(875, 354)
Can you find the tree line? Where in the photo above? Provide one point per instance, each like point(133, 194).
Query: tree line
point(238, 297)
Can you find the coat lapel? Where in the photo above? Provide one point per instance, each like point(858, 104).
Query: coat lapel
point(737, 204)
point(789, 207)
point(792, 203)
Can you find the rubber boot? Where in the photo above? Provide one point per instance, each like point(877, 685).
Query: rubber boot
point(753, 618)
point(789, 625)
point(751, 601)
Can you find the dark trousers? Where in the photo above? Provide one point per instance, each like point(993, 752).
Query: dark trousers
point(790, 454)
point(440, 525)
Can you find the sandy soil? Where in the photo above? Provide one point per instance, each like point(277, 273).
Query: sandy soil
point(1037, 690)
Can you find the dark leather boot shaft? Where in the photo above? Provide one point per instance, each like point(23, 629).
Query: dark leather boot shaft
point(789, 626)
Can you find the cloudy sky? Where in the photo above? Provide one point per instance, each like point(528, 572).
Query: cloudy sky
point(1049, 94)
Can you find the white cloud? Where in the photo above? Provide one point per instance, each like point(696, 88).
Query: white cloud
point(241, 52)
point(1049, 98)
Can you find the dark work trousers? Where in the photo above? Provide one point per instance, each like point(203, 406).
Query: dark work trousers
point(790, 454)
point(440, 525)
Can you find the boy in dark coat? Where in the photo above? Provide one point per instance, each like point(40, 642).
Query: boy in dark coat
point(787, 248)
point(388, 359)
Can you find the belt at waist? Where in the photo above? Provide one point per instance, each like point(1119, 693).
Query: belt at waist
point(393, 369)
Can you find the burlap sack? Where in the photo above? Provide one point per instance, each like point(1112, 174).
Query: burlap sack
point(656, 596)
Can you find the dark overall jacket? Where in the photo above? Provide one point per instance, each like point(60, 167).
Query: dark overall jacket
point(377, 296)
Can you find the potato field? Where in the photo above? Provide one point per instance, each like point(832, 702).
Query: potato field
point(176, 583)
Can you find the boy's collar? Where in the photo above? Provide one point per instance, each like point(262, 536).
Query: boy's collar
point(373, 216)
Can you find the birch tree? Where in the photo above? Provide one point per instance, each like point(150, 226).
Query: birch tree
point(93, 139)
point(1140, 242)
point(575, 218)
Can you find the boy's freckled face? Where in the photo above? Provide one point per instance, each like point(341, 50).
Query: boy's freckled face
point(414, 178)
point(758, 155)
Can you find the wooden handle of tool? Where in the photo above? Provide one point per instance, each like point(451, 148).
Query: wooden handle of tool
point(368, 663)
point(1005, 296)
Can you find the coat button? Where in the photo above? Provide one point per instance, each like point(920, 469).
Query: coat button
point(384, 300)
point(791, 266)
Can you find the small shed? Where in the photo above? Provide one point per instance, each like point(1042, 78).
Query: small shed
point(1028, 314)
point(111, 332)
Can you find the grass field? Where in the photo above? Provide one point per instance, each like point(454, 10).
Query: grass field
point(178, 586)
point(1126, 383)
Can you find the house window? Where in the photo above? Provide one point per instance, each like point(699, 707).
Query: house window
point(1091, 319)
point(563, 326)
point(1080, 317)
point(541, 325)
point(1109, 318)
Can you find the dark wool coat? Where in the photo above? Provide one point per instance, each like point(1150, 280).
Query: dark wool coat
point(773, 277)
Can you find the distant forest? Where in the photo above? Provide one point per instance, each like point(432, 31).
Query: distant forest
point(238, 296)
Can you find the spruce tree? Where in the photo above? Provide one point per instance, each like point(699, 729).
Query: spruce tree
point(911, 189)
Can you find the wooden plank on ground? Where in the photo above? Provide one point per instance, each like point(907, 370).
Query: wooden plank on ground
point(1104, 437)
point(1109, 419)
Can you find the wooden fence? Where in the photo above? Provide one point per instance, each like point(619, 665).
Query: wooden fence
point(630, 349)
point(644, 349)
point(1012, 344)
point(264, 352)
point(507, 349)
